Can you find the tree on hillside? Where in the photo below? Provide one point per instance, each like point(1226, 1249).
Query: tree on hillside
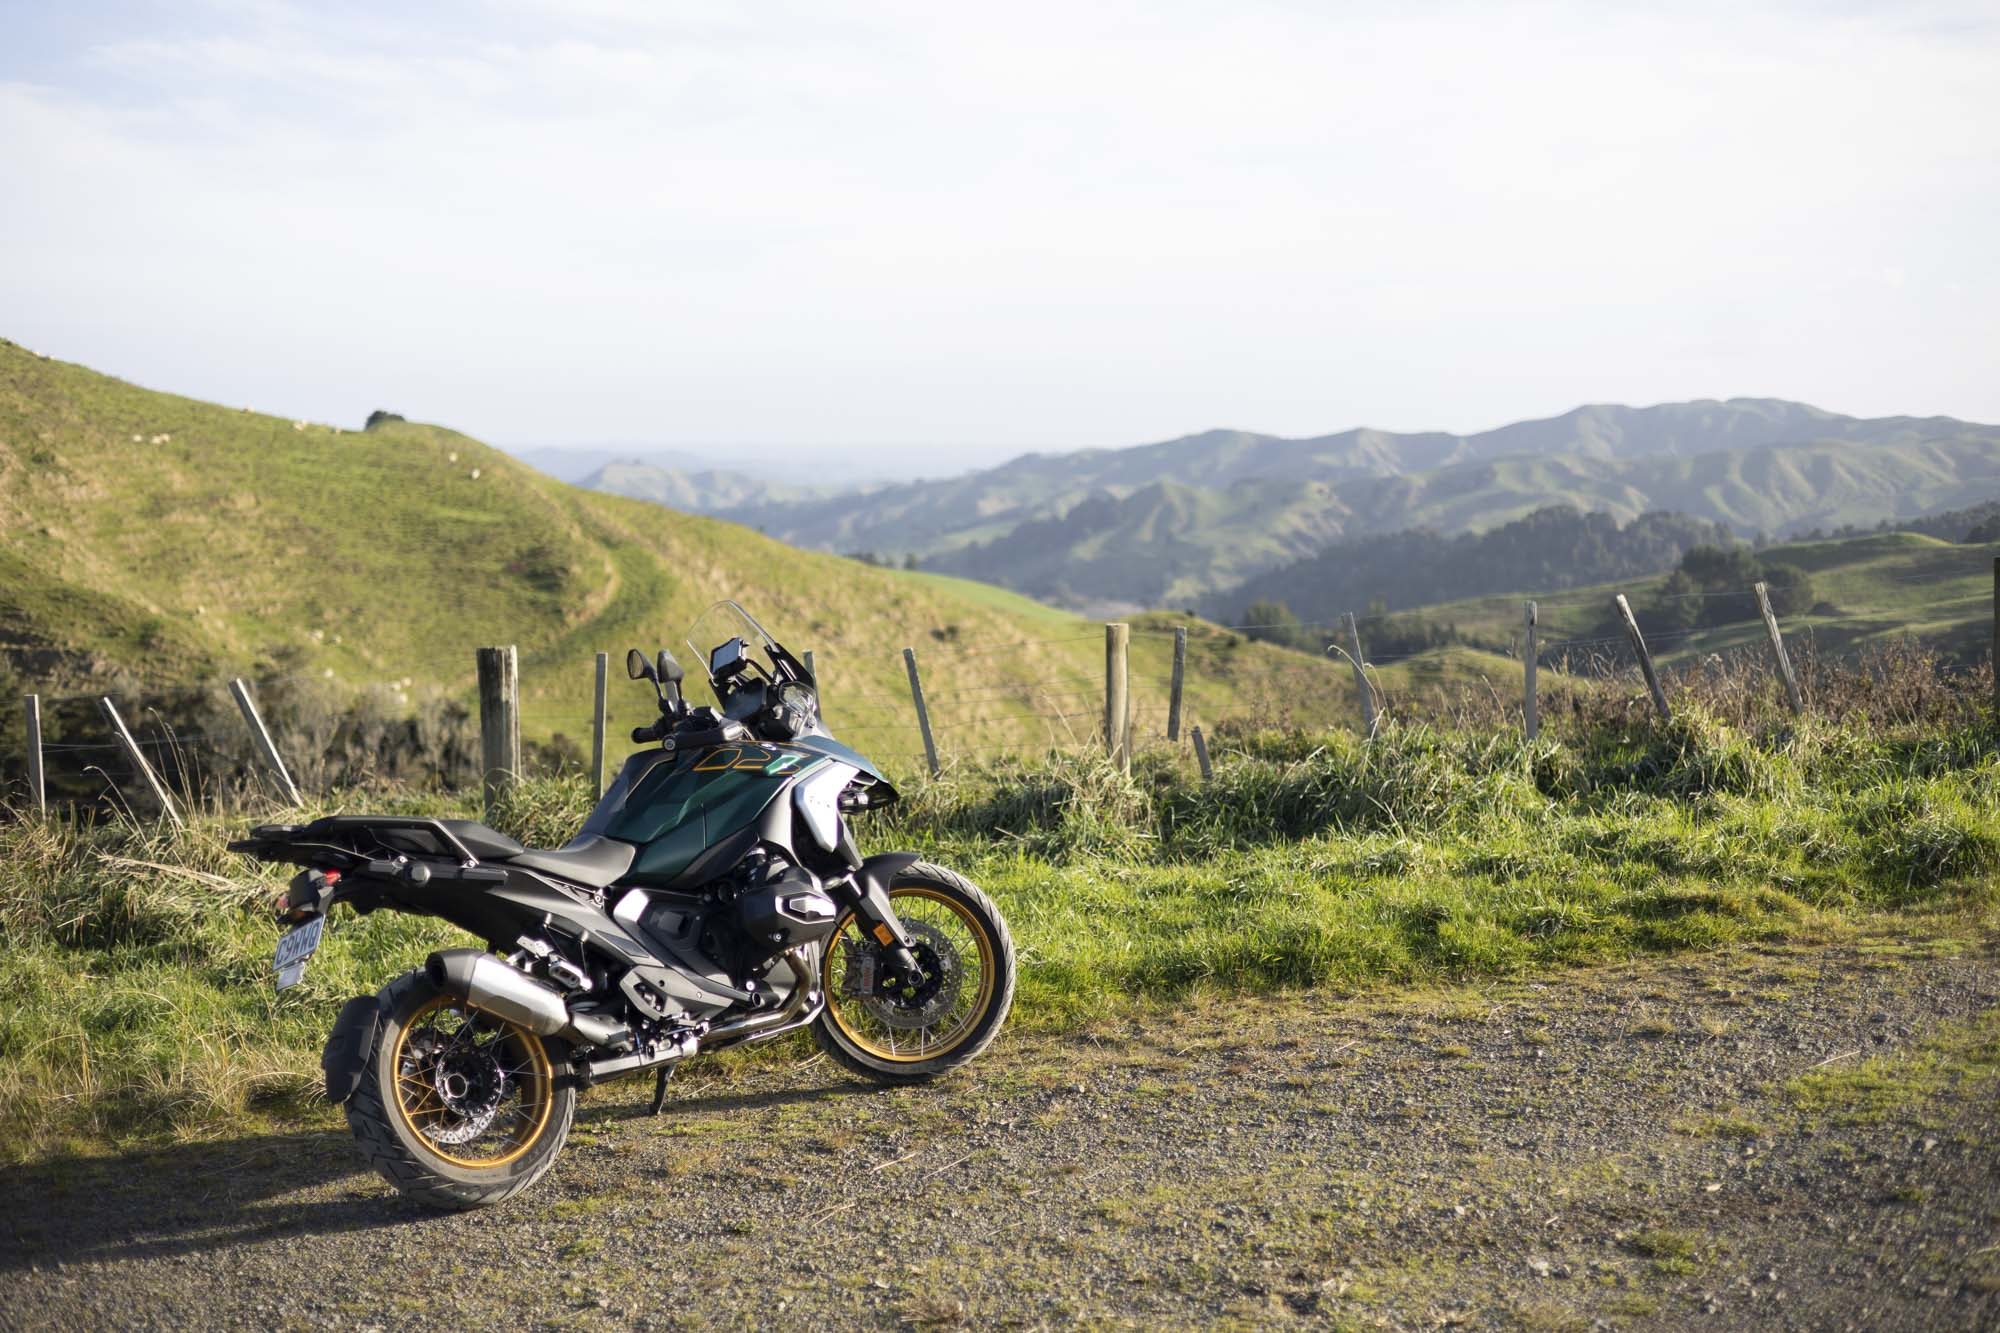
point(1790, 588)
point(1676, 605)
point(380, 418)
point(1384, 636)
point(1984, 531)
point(1720, 566)
point(1716, 585)
point(1723, 575)
point(1273, 622)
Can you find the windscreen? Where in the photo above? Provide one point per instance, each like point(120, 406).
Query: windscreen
point(755, 679)
point(728, 620)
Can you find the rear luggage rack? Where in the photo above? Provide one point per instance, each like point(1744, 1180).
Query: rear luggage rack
point(270, 837)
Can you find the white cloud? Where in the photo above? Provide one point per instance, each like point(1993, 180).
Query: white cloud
point(1018, 228)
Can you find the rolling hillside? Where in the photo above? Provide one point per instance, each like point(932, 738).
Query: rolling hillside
point(698, 490)
point(1175, 523)
point(159, 541)
point(1865, 590)
point(1166, 545)
point(1550, 550)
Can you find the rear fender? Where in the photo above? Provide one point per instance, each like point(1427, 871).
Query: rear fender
point(345, 1058)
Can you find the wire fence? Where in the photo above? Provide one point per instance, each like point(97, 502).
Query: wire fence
point(1019, 697)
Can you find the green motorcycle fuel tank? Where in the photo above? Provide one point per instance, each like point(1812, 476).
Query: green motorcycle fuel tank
point(675, 805)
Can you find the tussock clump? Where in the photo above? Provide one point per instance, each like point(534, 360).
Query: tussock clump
point(115, 882)
point(546, 812)
point(1921, 834)
point(1060, 804)
point(1408, 778)
point(1692, 755)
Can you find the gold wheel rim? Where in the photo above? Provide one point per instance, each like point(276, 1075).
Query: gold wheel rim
point(846, 1023)
point(537, 1080)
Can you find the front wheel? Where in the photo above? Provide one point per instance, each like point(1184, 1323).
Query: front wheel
point(967, 960)
point(458, 1108)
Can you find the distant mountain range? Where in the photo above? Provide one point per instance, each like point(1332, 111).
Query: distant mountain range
point(575, 464)
point(1179, 522)
point(734, 470)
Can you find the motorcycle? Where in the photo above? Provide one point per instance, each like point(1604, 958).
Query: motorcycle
point(714, 897)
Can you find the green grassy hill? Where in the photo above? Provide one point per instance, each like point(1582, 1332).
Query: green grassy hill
point(174, 541)
point(1163, 545)
point(1865, 590)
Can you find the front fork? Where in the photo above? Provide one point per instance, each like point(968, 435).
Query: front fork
point(867, 891)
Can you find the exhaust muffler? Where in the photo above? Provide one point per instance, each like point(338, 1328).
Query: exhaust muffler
point(484, 982)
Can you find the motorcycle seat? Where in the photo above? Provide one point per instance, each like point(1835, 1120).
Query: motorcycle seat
point(485, 843)
point(589, 860)
point(410, 836)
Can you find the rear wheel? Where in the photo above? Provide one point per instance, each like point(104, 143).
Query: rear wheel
point(967, 959)
point(458, 1108)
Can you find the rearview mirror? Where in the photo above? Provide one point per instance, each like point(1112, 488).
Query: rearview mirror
point(670, 668)
point(636, 665)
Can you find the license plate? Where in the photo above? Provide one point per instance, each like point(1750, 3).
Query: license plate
point(295, 948)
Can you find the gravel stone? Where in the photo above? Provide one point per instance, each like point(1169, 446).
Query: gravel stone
point(1271, 1161)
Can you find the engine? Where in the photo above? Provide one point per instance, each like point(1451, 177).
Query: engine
point(780, 906)
point(731, 931)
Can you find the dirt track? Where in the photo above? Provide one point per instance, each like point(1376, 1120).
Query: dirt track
point(1614, 1148)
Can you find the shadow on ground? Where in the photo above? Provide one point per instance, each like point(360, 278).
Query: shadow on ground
point(189, 1198)
point(184, 1199)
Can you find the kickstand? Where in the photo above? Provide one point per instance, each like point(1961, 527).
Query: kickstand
point(666, 1076)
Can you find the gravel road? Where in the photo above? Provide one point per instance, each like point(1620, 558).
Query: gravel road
point(1617, 1147)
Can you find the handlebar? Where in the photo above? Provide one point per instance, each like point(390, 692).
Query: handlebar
point(687, 737)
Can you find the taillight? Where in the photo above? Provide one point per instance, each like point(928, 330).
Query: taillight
point(301, 899)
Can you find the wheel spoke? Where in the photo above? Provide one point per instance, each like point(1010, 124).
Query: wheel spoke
point(951, 944)
point(475, 1089)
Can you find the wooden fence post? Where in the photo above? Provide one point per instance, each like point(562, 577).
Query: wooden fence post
point(1645, 659)
point(923, 714)
point(1778, 653)
point(260, 736)
point(499, 722)
point(1362, 692)
point(1530, 705)
point(597, 712)
point(1118, 694)
point(1180, 674)
point(1201, 755)
point(138, 758)
point(38, 791)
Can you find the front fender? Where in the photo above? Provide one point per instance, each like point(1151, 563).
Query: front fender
point(878, 918)
point(348, 1046)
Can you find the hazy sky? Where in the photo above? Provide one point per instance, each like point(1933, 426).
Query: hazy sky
point(951, 233)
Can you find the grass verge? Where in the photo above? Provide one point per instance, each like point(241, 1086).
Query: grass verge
point(137, 959)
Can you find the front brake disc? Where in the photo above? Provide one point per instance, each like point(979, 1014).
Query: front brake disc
point(942, 988)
